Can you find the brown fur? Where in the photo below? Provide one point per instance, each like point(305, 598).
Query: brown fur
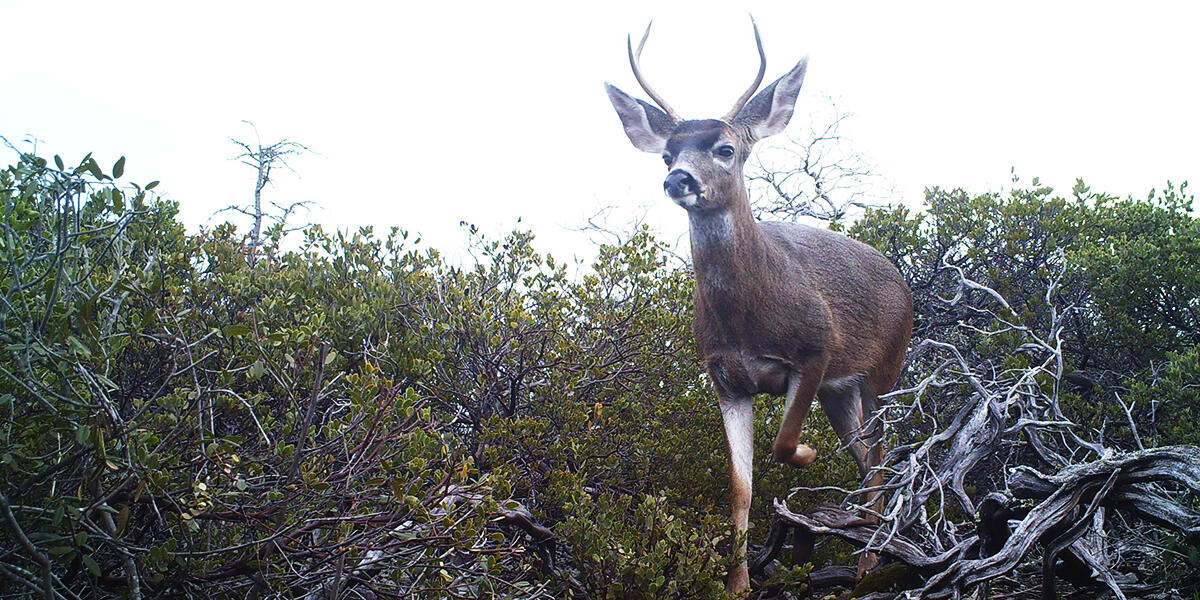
point(781, 309)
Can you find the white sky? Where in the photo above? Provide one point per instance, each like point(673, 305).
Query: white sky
point(427, 115)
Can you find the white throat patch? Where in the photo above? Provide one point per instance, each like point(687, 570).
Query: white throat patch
point(711, 228)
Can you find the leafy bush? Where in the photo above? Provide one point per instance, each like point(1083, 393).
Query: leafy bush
point(187, 415)
point(654, 555)
point(1126, 270)
point(177, 421)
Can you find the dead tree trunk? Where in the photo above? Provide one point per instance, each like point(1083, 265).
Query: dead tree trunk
point(263, 159)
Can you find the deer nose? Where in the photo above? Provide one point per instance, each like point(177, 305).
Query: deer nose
point(680, 183)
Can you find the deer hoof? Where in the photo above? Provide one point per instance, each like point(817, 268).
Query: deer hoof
point(804, 456)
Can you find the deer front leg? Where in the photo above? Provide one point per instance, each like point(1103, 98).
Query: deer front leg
point(801, 390)
point(737, 413)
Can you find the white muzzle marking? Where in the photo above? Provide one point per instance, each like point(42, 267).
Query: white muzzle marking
point(688, 201)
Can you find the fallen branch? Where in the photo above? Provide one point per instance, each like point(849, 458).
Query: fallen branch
point(1009, 482)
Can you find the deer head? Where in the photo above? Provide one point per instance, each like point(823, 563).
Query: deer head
point(706, 157)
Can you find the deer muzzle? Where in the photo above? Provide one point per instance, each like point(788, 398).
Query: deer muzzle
point(680, 184)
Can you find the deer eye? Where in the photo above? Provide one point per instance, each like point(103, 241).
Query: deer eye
point(667, 159)
point(724, 151)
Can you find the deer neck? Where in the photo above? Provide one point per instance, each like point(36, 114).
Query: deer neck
point(727, 246)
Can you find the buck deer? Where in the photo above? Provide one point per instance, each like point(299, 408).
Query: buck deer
point(780, 308)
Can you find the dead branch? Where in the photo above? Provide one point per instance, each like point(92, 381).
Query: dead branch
point(264, 159)
point(1009, 480)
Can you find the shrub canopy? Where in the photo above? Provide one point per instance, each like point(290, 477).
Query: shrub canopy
point(187, 415)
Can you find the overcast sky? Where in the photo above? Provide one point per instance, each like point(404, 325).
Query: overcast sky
point(425, 115)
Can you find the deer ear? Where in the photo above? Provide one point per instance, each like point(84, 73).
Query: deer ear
point(771, 109)
point(647, 126)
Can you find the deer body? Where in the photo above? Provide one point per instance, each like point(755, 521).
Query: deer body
point(780, 308)
point(790, 305)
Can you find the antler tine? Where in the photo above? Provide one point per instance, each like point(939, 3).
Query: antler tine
point(762, 69)
point(637, 74)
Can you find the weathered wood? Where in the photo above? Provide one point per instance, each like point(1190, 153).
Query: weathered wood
point(832, 576)
point(1067, 502)
point(826, 519)
point(976, 498)
point(770, 550)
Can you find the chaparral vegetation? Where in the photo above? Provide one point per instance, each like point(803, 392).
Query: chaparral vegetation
point(350, 415)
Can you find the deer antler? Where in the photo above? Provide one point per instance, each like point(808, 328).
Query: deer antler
point(637, 73)
point(762, 69)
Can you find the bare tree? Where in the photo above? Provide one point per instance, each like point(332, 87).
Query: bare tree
point(813, 175)
point(263, 159)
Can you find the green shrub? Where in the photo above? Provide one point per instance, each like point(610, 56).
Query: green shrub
point(656, 554)
point(184, 415)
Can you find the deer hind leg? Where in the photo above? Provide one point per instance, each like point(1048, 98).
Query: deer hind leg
point(842, 401)
point(872, 434)
point(849, 404)
point(801, 389)
point(737, 413)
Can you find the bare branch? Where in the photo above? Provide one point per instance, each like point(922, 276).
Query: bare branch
point(816, 175)
point(1028, 463)
point(263, 159)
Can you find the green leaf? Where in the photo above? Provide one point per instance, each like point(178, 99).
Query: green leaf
point(329, 358)
point(119, 168)
point(108, 383)
point(58, 162)
point(82, 434)
point(91, 167)
point(151, 185)
point(78, 346)
point(92, 567)
point(235, 330)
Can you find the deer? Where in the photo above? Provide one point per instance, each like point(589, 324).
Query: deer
point(780, 308)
